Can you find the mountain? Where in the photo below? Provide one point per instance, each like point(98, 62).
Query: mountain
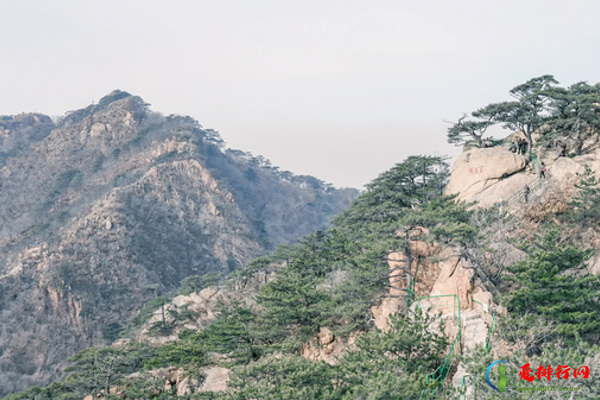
point(416, 291)
point(113, 205)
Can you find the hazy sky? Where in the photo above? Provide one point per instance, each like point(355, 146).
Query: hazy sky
point(338, 89)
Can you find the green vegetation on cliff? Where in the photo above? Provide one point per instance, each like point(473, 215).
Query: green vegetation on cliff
point(561, 116)
point(320, 291)
point(330, 280)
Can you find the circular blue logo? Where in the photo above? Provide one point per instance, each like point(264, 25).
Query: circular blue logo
point(502, 374)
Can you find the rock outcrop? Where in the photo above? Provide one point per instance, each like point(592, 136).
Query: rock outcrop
point(491, 176)
point(437, 271)
point(457, 278)
point(478, 169)
point(327, 347)
point(202, 308)
point(445, 284)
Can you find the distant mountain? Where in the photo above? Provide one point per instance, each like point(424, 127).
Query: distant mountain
point(113, 205)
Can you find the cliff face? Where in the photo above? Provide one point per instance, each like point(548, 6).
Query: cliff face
point(115, 205)
point(495, 177)
point(17, 133)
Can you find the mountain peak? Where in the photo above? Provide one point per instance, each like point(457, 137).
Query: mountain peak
point(116, 98)
point(113, 96)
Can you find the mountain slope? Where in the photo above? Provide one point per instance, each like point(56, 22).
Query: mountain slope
point(115, 205)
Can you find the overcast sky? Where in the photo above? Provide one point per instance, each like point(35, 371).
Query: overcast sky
point(338, 89)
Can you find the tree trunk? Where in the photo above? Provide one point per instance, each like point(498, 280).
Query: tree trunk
point(108, 376)
point(408, 272)
point(479, 140)
point(578, 138)
point(529, 143)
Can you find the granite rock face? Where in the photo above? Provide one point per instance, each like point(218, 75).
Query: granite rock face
point(477, 169)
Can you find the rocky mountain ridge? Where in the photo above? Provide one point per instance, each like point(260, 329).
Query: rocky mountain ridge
point(114, 205)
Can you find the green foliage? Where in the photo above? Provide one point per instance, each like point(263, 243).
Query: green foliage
point(211, 278)
point(554, 354)
point(463, 131)
point(329, 279)
point(191, 284)
point(416, 180)
point(332, 276)
point(228, 334)
point(195, 283)
point(168, 317)
point(392, 365)
point(446, 220)
point(288, 377)
point(575, 114)
point(560, 115)
point(108, 366)
point(146, 313)
point(56, 391)
point(386, 365)
point(549, 285)
point(586, 203)
point(211, 396)
point(526, 114)
point(231, 334)
point(291, 303)
point(146, 385)
point(111, 331)
point(93, 371)
point(187, 352)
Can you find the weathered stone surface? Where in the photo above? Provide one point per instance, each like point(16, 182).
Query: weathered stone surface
point(331, 353)
point(388, 306)
point(503, 189)
point(565, 169)
point(477, 169)
point(455, 278)
point(483, 297)
point(97, 129)
point(215, 381)
point(326, 336)
point(515, 137)
point(594, 263)
point(203, 304)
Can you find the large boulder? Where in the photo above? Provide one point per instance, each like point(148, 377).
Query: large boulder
point(565, 169)
point(456, 277)
point(478, 169)
point(593, 263)
point(504, 189)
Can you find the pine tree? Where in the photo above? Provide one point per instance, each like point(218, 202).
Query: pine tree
point(393, 364)
point(549, 285)
point(586, 203)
